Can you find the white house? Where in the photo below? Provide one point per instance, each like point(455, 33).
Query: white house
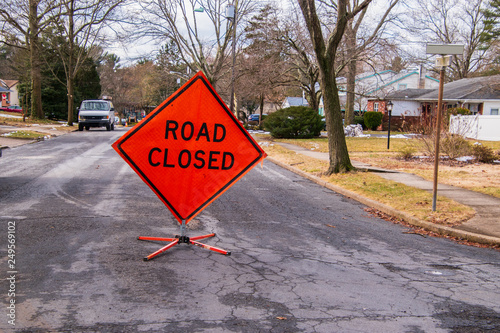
point(377, 85)
point(9, 93)
point(481, 95)
point(294, 101)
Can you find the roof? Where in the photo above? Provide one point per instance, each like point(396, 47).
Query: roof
point(408, 93)
point(296, 101)
point(2, 89)
point(480, 88)
point(376, 81)
point(11, 83)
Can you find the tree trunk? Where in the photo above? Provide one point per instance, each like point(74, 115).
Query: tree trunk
point(351, 92)
point(71, 101)
point(36, 76)
point(351, 73)
point(261, 111)
point(337, 146)
point(70, 72)
point(313, 96)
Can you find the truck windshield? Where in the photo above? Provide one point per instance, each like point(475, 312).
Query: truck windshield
point(101, 106)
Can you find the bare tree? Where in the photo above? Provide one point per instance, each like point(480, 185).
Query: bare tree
point(325, 51)
point(80, 27)
point(264, 65)
point(186, 22)
point(356, 45)
point(455, 22)
point(24, 21)
point(305, 67)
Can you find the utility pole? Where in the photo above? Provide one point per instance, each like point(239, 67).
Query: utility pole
point(445, 50)
point(231, 15)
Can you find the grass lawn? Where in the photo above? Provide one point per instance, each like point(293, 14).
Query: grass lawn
point(417, 203)
point(28, 135)
point(38, 124)
point(479, 177)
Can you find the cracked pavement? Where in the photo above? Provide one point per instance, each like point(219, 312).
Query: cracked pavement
point(304, 258)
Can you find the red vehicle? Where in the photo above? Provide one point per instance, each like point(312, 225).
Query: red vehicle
point(12, 108)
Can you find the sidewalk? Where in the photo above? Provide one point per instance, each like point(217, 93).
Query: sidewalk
point(48, 130)
point(483, 228)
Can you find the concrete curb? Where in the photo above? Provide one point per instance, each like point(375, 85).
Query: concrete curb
point(439, 229)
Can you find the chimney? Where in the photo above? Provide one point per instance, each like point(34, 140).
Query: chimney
point(421, 77)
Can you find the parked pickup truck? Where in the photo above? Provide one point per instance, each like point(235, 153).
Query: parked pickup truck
point(96, 113)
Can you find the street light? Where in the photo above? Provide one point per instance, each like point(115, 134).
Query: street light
point(389, 106)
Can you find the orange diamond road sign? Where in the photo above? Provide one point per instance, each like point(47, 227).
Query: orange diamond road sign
point(190, 149)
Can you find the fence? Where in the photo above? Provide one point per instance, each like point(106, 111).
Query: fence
point(476, 127)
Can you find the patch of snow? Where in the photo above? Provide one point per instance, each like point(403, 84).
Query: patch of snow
point(465, 158)
point(355, 131)
point(257, 132)
point(10, 116)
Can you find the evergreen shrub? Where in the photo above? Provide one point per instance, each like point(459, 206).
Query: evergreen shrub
point(372, 119)
point(295, 122)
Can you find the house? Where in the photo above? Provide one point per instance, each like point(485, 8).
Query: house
point(480, 95)
point(404, 102)
point(294, 101)
point(377, 85)
point(9, 92)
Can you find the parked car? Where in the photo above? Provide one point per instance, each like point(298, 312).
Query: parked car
point(96, 113)
point(12, 108)
point(253, 119)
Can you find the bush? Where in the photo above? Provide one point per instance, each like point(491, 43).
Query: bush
point(406, 153)
point(359, 120)
point(482, 153)
point(455, 146)
point(372, 119)
point(294, 122)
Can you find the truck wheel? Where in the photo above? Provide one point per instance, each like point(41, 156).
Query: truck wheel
point(87, 128)
point(113, 127)
point(108, 127)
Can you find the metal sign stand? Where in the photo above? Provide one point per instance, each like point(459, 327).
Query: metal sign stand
point(182, 238)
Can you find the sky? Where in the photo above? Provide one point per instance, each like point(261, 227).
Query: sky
point(133, 51)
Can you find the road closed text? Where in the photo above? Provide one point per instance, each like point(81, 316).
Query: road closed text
point(199, 159)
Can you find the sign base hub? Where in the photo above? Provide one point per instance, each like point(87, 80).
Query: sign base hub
point(178, 239)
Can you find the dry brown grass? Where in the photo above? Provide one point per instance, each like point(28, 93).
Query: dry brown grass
point(479, 177)
point(41, 126)
point(417, 203)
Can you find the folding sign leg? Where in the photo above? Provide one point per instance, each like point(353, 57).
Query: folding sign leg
point(182, 238)
point(211, 248)
point(163, 249)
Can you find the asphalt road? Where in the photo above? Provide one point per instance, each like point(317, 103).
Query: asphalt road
point(304, 259)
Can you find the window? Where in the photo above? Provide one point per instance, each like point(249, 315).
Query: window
point(494, 112)
point(375, 106)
